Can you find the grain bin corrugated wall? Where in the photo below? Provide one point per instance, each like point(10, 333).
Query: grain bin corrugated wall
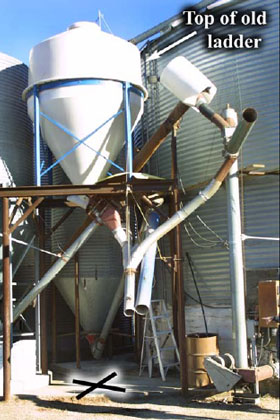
point(243, 78)
point(16, 145)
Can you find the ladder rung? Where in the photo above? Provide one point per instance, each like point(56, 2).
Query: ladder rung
point(167, 348)
point(171, 364)
point(163, 332)
point(159, 316)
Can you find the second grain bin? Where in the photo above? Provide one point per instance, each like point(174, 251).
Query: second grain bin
point(15, 146)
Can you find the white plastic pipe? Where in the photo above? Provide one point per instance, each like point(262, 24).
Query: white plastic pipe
point(145, 284)
point(54, 270)
point(239, 332)
point(162, 230)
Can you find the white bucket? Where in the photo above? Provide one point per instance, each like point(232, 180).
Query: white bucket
point(185, 81)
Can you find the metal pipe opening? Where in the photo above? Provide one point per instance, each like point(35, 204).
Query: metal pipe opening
point(250, 115)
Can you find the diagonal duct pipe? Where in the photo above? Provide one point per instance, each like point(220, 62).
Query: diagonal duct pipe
point(55, 269)
point(238, 138)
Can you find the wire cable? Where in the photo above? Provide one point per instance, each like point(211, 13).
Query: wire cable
point(197, 291)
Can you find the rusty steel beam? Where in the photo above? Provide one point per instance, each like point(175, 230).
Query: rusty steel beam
point(6, 302)
point(26, 214)
point(104, 188)
point(60, 221)
point(159, 136)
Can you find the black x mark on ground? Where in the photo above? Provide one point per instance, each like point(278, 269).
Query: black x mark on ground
point(95, 385)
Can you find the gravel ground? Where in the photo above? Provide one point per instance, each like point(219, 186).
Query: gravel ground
point(175, 406)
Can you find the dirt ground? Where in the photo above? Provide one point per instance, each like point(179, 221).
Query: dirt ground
point(173, 406)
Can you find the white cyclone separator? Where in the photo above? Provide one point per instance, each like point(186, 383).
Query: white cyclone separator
point(186, 81)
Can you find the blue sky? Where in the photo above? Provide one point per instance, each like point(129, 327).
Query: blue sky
point(24, 23)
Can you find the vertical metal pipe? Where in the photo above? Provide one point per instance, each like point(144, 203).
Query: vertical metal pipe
point(6, 303)
point(128, 134)
point(236, 269)
point(173, 275)
point(77, 312)
point(36, 133)
point(130, 278)
point(179, 271)
point(54, 332)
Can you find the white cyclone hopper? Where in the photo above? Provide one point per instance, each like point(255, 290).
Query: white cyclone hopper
point(79, 74)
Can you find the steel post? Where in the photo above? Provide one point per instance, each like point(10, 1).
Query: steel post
point(37, 175)
point(179, 272)
point(128, 134)
point(36, 106)
point(236, 269)
point(43, 306)
point(77, 312)
point(6, 303)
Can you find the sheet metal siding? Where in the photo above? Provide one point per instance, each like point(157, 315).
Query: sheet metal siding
point(95, 253)
point(16, 143)
point(261, 218)
point(15, 126)
point(244, 78)
point(100, 265)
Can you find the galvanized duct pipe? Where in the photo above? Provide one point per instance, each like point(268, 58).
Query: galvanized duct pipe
point(145, 284)
point(234, 144)
point(98, 345)
point(239, 332)
point(54, 270)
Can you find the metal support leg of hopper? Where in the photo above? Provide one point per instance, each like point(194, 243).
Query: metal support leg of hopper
point(6, 303)
point(43, 309)
point(37, 174)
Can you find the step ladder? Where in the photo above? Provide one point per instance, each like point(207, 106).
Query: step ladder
point(155, 340)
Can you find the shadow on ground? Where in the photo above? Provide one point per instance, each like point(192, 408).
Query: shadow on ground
point(195, 400)
point(96, 408)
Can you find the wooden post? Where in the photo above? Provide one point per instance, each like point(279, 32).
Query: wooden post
point(6, 303)
point(77, 311)
point(43, 299)
point(54, 332)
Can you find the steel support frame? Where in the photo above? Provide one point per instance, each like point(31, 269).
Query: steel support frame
point(41, 318)
point(127, 87)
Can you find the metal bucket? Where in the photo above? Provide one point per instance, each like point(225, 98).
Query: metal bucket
point(200, 346)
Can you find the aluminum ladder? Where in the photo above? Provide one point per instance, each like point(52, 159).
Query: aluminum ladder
point(154, 340)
